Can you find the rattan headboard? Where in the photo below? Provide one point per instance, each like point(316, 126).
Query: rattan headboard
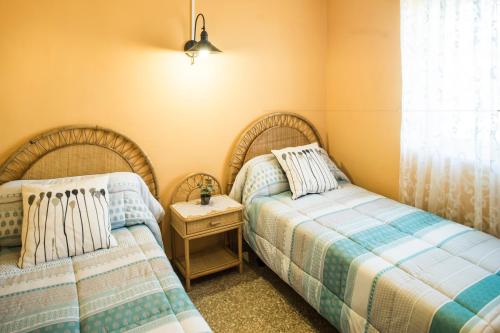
point(78, 150)
point(272, 131)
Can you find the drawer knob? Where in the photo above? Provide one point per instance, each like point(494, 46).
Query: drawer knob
point(214, 223)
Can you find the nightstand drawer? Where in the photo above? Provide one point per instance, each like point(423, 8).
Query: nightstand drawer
point(213, 222)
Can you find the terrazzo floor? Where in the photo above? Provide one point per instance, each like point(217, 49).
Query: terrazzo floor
point(255, 301)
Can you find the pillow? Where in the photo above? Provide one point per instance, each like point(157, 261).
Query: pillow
point(306, 170)
point(264, 177)
point(246, 171)
point(64, 220)
point(130, 203)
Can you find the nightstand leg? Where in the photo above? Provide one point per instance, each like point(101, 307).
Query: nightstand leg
point(188, 264)
point(240, 249)
point(172, 234)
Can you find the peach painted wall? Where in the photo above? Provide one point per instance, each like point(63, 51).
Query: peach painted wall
point(364, 91)
point(117, 63)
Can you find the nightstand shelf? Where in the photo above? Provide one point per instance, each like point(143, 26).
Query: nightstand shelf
point(208, 261)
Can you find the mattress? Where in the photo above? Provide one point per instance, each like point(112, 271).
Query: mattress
point(371, 264)
point(131, 287)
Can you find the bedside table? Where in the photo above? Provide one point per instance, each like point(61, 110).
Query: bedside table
point(191, 220)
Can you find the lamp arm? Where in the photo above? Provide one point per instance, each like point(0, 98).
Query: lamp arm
point(196, 22)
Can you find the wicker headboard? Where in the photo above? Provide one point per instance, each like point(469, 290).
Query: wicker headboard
point(78, 150)
point(272, 131)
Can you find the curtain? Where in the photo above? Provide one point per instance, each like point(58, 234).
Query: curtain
point(450, 135)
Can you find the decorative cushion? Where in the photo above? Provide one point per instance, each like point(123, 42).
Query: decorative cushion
point(64, 220)
point(306, 170)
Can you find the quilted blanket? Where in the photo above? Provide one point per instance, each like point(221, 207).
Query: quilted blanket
point(131, 287)
point(370, 264)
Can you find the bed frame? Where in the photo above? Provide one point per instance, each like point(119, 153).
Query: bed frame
point(78, 150)
point(272, 131)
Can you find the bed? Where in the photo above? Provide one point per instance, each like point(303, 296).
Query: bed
point(131, 287)
point(365, 262)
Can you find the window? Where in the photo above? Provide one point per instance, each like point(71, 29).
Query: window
point(450, 136)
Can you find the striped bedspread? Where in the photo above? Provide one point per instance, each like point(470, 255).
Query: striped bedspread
point(370, 264)
point(128, 288)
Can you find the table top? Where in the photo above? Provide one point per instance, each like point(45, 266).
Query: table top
point(219, 204)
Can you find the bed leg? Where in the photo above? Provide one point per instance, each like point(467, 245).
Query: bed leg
point(240, 250)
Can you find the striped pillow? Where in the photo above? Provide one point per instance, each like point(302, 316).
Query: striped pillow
point(306, 170)
point(64, 220)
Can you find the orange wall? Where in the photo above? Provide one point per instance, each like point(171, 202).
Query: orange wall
point(117, 63)
point(364, 91)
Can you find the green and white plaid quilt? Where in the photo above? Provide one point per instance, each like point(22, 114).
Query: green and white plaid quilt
point(371, 264)
point(131, 287)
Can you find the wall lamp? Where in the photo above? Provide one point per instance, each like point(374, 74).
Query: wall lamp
point(194, 48)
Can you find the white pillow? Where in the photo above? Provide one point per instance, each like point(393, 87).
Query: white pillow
point(306, 170)
point(64, 220)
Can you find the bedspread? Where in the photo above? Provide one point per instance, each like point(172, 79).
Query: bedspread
point(131, 287)
point(371, 264)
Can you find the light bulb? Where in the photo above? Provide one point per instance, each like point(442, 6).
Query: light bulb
point(204, 53)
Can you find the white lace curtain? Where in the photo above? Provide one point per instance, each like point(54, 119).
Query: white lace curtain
point(450, 137)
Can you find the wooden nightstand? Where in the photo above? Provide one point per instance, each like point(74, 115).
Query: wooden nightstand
point(190, 220)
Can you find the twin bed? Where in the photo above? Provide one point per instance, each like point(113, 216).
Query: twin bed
point(365, 262)
point(131, 287)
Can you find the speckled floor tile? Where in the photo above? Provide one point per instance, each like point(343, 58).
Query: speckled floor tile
point(255, 301)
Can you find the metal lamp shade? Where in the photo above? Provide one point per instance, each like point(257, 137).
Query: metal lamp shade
point(204, 45)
